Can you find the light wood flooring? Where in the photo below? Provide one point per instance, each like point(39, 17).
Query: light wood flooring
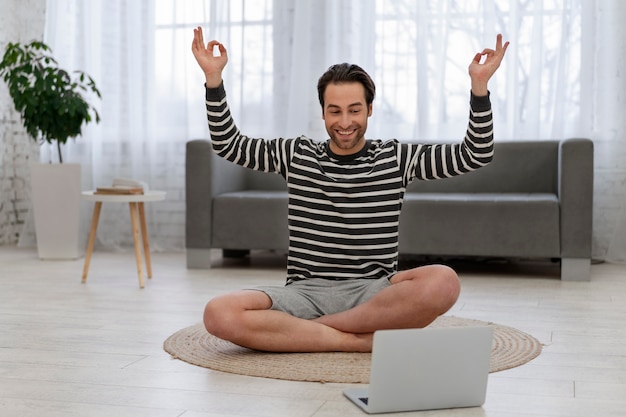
point(80, 350)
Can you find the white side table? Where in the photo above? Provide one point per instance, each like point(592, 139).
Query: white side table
point(137, 219)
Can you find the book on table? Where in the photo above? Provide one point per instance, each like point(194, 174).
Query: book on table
point(123, 186)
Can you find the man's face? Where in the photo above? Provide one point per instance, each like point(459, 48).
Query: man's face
point(345, 115)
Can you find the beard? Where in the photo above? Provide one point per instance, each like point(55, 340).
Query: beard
point(346, 145)
point(350, 144)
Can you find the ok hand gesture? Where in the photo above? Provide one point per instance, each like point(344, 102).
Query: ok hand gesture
point(210, 64)
point(481, 73)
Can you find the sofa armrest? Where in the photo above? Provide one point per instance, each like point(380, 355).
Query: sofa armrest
point(576, 197)
point(206, 175)
point(198, 202)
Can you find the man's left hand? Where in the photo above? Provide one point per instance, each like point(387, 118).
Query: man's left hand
point(480, 73)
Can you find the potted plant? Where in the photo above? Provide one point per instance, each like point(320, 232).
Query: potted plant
point(53, 108)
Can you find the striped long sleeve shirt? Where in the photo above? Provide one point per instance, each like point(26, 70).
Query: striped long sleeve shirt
point(344, 211)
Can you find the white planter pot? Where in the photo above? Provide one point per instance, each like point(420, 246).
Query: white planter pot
point(56, 203)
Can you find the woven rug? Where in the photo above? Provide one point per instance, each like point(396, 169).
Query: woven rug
point(194, 345)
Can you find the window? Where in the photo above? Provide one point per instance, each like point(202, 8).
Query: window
point(421, 51)
point(244, 26)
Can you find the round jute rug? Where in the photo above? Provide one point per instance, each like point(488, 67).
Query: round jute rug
point(194, 345)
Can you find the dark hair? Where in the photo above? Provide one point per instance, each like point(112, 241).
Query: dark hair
point(346, 73)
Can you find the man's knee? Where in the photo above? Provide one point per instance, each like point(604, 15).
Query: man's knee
point(449, 277)
point(224, 315)
point(218, 318)
point(440, 282)
point(448, 286)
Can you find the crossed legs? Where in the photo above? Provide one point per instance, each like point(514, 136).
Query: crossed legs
point(415, 298)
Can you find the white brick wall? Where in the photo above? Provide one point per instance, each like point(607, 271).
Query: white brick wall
point(20, 20)
point(609, 222)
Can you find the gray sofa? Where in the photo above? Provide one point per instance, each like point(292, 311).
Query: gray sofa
point(533, 201)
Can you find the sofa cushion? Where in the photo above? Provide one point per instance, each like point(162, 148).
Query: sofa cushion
point(518, 224)
point(250, 220)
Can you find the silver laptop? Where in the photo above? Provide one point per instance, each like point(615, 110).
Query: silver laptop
point(426, 369)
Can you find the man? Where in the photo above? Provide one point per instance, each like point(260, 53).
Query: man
point(345, 196)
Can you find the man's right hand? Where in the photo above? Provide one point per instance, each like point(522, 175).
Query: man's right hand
point(210, 64)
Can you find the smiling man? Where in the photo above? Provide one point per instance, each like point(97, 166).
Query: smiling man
point(345, 197)
point(346, 105)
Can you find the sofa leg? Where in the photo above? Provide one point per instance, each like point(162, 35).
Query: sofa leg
point(575, 269)
point(198, 258)
point(235, 253)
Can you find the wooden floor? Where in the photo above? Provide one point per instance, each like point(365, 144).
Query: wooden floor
point(70, 349)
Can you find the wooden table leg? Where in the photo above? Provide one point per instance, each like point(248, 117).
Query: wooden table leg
point(144, 236)
point(92, 238)
point(135, 225)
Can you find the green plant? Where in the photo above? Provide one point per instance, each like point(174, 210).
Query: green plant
point(49, 100)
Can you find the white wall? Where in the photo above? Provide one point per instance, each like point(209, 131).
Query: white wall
point(20, 20)
point(608, 100)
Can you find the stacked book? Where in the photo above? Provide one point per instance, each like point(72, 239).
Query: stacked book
point(123, 186)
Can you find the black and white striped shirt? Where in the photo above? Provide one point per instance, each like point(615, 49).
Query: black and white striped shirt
point(344, 210)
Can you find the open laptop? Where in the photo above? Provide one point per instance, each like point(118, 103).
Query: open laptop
point(426, 369)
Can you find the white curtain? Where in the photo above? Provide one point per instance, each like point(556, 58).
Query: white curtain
point(563, 76)
point(113, 41)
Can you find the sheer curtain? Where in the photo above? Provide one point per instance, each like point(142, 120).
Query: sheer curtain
point(562, 77)
point(113, 41)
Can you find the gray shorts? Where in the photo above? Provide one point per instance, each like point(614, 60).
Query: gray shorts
point(312, 298)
